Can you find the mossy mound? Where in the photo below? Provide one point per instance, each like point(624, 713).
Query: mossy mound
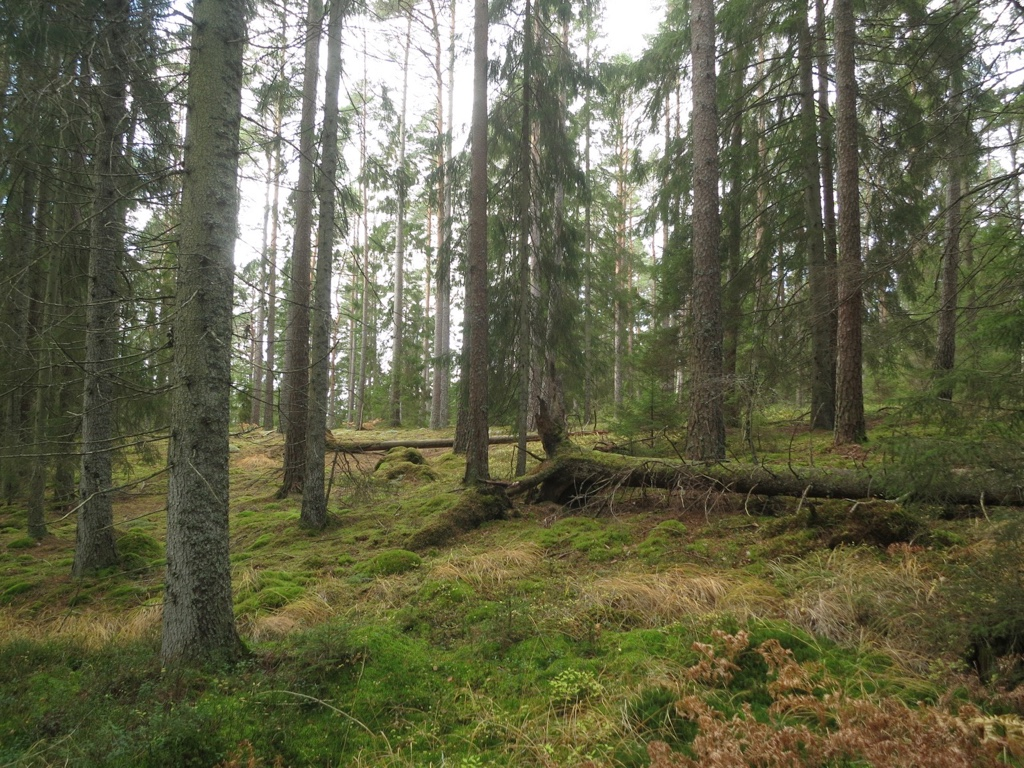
point(473, 509)
point(401, 463)
point(390, 563)
point(399, 470)
point(408, 455)
point(138, 551)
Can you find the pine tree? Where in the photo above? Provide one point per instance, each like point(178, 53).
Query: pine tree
point(198, 616)
point(706, 431)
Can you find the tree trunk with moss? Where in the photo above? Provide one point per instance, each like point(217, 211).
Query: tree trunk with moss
point(575, 474)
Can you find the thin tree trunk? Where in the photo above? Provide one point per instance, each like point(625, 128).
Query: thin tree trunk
point(828, 192)
point(294, 394)
point(588, 245)
point(271, 256)
point(705, 439)
point(259, 328)
point(823, 380)
point(526, 213)
point(945, 348)
point(198, 618)
point(439, 397)
point(477, 469)
point(43, 355)
point(94, 541)
point(399, 308)
point(314, 502)
point(850, 426)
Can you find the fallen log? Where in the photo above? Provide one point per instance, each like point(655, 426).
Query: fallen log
point(373, 446)
point(574, 474)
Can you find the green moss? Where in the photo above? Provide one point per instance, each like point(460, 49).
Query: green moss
point(599, 541)
point(138, 551)
point(270, 590)
point(401, 455)
point(943, 538)
point(389, 563)
point(25, 542)
point(399, 470)
point(664, 538)
point(12, 589)
point(838, 523)
point(472, 509)
point(262, 541)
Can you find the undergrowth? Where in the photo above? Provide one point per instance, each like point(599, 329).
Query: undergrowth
point(424, 628)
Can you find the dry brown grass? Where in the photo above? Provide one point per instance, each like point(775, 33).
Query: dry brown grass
point(307, 611)
point(257, 462)
point(91, 629)
point(850, 596)
point(492, 568)
point(652, 599)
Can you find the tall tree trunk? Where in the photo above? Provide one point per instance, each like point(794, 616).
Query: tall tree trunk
point(526, 244)
point(734, 289)
point(314, 502)
point(828, 191)
point(271, 255)
point(477, 469)
point(198, 620)
point(395, 396)
point(823, 380)
point(259, 326)
point(588, 242)
point(850, 426)
point(439, 397)
point(705, 439)
point(46, 299)
point(94, 541)
point(945, 347)
point(294, 392)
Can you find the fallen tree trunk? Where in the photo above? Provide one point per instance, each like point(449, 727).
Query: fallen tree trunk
point(575, 474)
point(372, 446)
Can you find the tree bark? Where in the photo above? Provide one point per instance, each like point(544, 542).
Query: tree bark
point(945, 347)
point(705, 440)
point(271, 256)
point(439, 393)
point(850, 426)
point(314, 503)
point(395, 395)
point(294, 390)
point(94, 540)
point(477, 469)
point(198, 619)
point(823, 380)
point(526, 244)
point(828, 190)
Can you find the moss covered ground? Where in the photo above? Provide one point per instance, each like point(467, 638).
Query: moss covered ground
point(636, 629)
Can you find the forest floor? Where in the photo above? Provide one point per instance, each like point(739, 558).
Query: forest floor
point(641, 627)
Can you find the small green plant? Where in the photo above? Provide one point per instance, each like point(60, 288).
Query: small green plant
point(571, 686)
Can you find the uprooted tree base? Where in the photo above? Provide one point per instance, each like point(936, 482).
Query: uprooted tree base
point(573, 475)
